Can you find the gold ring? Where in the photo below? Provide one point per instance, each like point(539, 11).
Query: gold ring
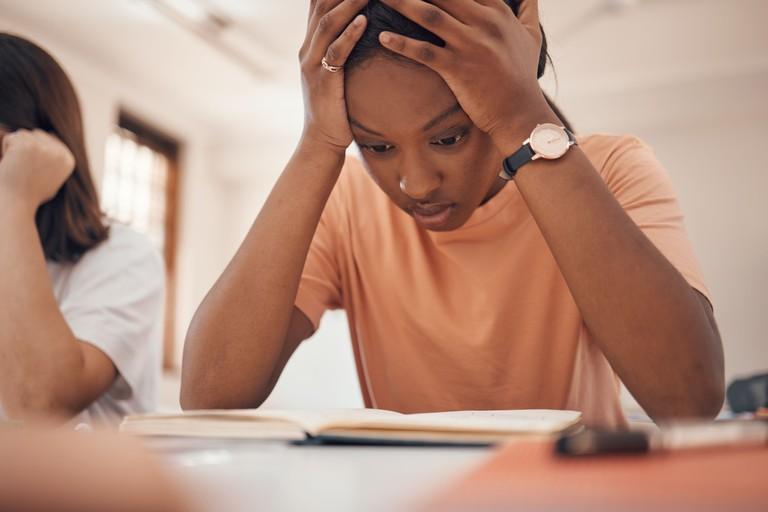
point(330, 67)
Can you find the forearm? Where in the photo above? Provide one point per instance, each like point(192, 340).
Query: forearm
point(238, 332)
point(638, 308)
point(40, 360)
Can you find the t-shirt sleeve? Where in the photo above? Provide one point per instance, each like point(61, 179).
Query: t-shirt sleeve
point(643, 188)
point(115, 302)
point(320, 285)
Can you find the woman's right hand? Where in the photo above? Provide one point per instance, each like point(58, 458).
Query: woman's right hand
point(34, 166)
point(331, 34)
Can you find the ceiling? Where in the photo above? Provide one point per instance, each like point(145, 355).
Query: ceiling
point(598, 46)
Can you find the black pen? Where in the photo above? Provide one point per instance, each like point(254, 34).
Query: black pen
point(669, 437)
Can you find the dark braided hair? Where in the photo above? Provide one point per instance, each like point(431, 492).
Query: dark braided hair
point(382, 18)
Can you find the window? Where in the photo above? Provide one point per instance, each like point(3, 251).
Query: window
point(140, 189)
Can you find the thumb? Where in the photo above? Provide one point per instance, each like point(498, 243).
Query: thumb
point(6, 138)
point(528, 16)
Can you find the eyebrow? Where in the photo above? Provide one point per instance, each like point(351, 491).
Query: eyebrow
point(434, 122)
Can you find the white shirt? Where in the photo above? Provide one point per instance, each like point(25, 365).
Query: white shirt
point(113, 298)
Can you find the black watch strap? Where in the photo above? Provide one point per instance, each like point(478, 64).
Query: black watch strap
point(518, 159)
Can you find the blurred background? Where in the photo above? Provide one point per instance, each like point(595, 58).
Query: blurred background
point(193, 107)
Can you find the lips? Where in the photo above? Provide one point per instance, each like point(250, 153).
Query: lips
point(432, 216)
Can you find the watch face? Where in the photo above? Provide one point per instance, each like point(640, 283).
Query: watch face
point(549, 141)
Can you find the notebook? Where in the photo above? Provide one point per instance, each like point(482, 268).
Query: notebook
point(357, 426)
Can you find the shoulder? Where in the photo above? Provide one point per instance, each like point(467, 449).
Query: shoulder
point(624, 162)
point(124, 246)
point(125, 252)
point(605, 149)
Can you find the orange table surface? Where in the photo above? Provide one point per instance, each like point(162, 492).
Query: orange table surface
point(529, 476)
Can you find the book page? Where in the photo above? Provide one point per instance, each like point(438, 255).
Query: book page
point(315, 420)
point(214, 420)
point(512, 421)
point(291, 422)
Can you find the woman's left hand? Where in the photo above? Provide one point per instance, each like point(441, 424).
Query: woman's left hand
point(490, 60)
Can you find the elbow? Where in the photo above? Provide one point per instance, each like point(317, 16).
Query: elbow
point(709, 401)
point(704, 405)
point(189, 403)
point(703, 391)
point(702, 401)
point(37, 402)
point(211, 384)
point(190, 400)
point(196, 394)
point(193, 396)
point(708, 390)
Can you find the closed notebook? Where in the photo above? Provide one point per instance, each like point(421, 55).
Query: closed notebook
point(368, 426)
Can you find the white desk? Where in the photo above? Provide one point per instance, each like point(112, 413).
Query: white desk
point(240, 476)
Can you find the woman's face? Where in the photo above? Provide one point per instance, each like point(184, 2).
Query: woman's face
point(418, 144)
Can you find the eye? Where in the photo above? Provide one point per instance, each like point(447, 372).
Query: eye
point(449, 141)
point(377, 148)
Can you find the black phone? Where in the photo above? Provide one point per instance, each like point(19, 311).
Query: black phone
point(748, 395)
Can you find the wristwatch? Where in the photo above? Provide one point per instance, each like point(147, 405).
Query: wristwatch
point(547, 141)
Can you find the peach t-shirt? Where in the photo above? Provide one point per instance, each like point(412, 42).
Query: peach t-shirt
point(479, 317)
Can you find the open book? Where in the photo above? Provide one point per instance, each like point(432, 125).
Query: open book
point(364, 426)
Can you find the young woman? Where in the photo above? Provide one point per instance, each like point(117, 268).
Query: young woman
point(80, 302)
point(478, 270)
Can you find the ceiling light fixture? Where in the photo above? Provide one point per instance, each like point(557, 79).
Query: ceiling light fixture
point(197, 18)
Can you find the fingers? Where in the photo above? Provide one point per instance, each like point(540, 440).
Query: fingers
point(39, 140)
point(317, 9)
point(529, 17)
point(466, 12)
point(434, 19)
point(331, 24)
point(4, 144)
point(9, 139)
point(339, 50)
point(431, 17)
point(422, 52)
point(498, 4)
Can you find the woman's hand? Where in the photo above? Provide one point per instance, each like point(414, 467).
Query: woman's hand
point(490, 59)
point(331, 34)
point(33, 167)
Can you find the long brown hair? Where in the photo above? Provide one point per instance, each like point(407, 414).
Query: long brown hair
point(35, 93)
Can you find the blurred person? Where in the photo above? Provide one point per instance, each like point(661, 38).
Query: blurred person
point(486, 257)
point(81, 301)
point(41, 471)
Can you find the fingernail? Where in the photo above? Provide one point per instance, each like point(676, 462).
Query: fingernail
point(385, 38)
point(358, 20)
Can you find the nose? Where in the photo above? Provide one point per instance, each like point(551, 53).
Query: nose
point(419, 183)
